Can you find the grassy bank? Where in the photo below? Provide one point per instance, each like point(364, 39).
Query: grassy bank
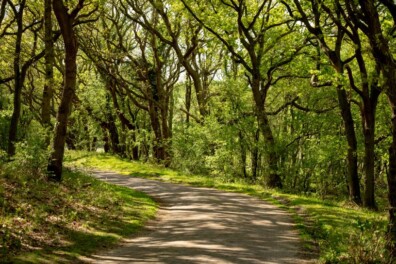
point(344, 233)
point(42, 222)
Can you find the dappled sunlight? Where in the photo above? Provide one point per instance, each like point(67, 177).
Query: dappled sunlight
point(201, 225)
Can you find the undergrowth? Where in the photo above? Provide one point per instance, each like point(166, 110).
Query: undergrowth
point(45, 222)
point(343, 232)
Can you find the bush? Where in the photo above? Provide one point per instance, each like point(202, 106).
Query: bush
point(31, 154)
point(368, 244)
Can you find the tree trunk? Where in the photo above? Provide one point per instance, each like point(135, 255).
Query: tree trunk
point(135, 147)
point(255, 156)
point(12, 137)
point(368, 119)
point(391, 178)
point(243, 153)
point(3, 4)
point(188, 99)
point(273, 179)
point(70, 141)
point(106, 146)
point(166, 132)
point(65, 22)
point(385, 59)
point(114, 138)
point(353, 177)
point(199, 91)
point(49, 72)
point(18, 81)
point(158, 147)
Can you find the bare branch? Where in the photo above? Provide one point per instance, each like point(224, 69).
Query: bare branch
point(198, 120)
point(352, 82)
point(306, 109)
point(283, 107)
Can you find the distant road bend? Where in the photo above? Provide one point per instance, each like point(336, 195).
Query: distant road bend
point(202, 225)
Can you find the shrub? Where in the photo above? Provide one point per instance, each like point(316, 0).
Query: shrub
point(368, 243)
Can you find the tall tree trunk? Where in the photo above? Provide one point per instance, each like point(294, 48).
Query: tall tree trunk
point(114, 137)
point(166, 131)
point(158, 147)
point(171, 108)
point(135, 147)
point(391, 177)
point(334, 55)
point(353, 177)
point(3, 4)
point(273, 179)
point(188, 99)
point(199, 90)
point(65, 21)
point(385, 59)
point(255, 156)
point(368, 117)
point(19, 77)
point(106, 146)
point(49, 72)
point(158, 107)
point(242, 145)
point(112, 128)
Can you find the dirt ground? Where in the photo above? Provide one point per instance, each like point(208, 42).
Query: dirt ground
point(202, 225)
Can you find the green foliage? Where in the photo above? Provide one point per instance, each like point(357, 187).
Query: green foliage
point(119, 44)
point(190, 147)
point(5, 116)
point(367, 244)
point(31, 154)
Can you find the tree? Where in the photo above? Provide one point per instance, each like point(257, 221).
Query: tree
point(366, 16)
point(368, 92)
point(187, 38)
point(20, 69)
point(137, 64)
point(66, 22)
point(259, 54)
point(49, 66)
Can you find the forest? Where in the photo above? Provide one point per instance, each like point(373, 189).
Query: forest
point(293, 95)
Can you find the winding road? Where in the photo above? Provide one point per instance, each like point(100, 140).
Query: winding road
point(202, 225)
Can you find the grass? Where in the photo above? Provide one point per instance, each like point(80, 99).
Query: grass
point(42, 222)
point(344, 233)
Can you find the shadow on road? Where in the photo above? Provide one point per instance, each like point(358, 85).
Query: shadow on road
point(201, 225)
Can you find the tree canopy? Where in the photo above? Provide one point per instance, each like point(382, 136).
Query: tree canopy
point(298, 95)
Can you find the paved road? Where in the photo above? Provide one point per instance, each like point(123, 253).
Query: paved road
point(201, 225)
